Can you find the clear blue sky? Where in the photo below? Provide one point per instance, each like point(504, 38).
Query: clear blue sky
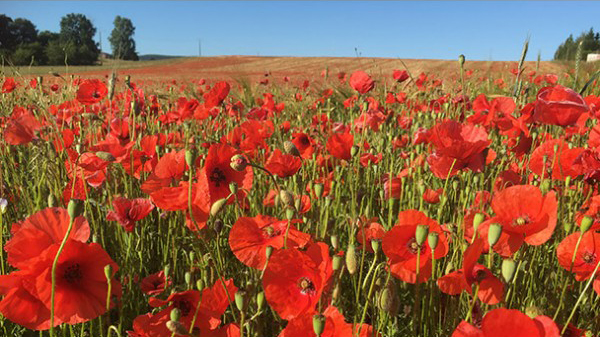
point(434, 30)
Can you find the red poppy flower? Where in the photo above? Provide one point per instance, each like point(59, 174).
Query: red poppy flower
point(91, 91)
point(432, 196)
point(340, 145)
point(216, 95)
point(400, 75)
point(591, 208)
point(249, 238)
point(9, 85)
point(40, 231)
point(21, 128)
point(586, 258)
point(509, 322)
point(554, 159)
point(219, 173)
point(335, 326)
point(491, 289)
point(128, 211)
point(283, 165)
point(369, 230)
point(154, 284)
point(525, 216)
point(295, 280)
point(559, 106)
point(361, 82)
point(400, 246)
point(497, 113)
point(392, 186)
point(171, 166)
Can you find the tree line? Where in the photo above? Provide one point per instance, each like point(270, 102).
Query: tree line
point(568, 49)
point(22, 44)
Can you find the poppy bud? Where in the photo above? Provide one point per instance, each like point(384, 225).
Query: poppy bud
point(108, 272)
point(421, 234)
point(318, 324)
point(238, 162)
point(79, 148)
point(233, 187)
point(449, 268)
point(188, 279)
point(354, 150)
point(217, 226)
point(175, 315)
point(335, 242)
point(533, 312)
point(106, 156)
point(376, 245)
point(176, 327)
point(200, 285)
point(95, 238)
point(318, 189)
point(337, 291)
point(40, 80)
point(298, 204)
point(351, 263)
point(269, 251)
point(290, 148)
point(287, 198)
point(433, 239)
point(461, 60)
point(337, 262)
point(240, 300)
point(51, 201)
point(455, 185)
point(128, 80)
point(260, 300)
point(218, 206)
point(545, 186)
point(190, 156)
point(509, 267)
point(494, 233)
point(477, 220)
point(388, 301)
point(586, 223)
point(166, 270)
point(75, 208)
point(289, 213)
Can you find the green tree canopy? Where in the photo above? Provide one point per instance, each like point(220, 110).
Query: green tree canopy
point(77, 40)
point(121, 39)
point(568, 49)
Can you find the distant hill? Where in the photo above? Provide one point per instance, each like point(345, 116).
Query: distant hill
point(150, 57)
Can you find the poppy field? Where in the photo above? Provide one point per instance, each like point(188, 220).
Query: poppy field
point(346, 203)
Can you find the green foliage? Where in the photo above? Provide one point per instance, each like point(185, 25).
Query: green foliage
point(29, 54)
point(121, 39)
point(568, 49)
point(77, 39)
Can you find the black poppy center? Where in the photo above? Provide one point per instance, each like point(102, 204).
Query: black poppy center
point(96, 94)
point(217, 176)
point(589, 257)
point(413, 246)
point(73, 274)
point(306, 285)
point(184, 306)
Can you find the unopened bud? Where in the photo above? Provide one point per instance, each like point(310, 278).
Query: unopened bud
point(287, 198)
point(51, 200)
point(290, 148)
point(75, 208)
point(354, 150)
point(269, 252)
point(318, 324)
point(238, 162)
point(217, 226)
point(106, 156)
point(177, 328)
point(509, 267)
point(240, 300)
point(337, 262)
point(190, 156)
point(289, 213)
point(376, 245)
point(494, 233)
point(200, 285)
point(461, 60)
point(108, 272)
point(218, 206)
point(188, 278)
point(260, 300)
point(586, 224)
point(319, 188)
point(477, 220)
point(233, 187)
point(175, 314)
point(351, 262)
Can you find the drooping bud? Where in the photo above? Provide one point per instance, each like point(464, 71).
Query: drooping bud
point(336, 262)
point(190, 156)
point(509, 267)
point(268, 252)
point(260, 300)
point(477, 220)
point(318, 187)
point(586, 224)
point(217, 226)
point(421, 234)
point(51, 200)
point(240, 300)
point(106, 156)
point(461, 60)
point(335, 241)
point(233, 187)
point(218, 206)
point(287, 198)
point(289, 213)
point(318, 324)
point(494, 233)
point(376, 245)
point(175, 314)
point(177, 328)
point(238, 162)
point(75, 208)
point(290, 148)
point(354, 150)
point(351, 261)
point(388, 299)
point(108, 272)
point(188, 279)
point(433, 239)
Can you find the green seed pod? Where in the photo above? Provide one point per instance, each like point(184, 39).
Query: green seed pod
point(106, 156)
point(75, 208)
point(290, 148)
point(509, 268)
point(421, 234)
point(233, 187)
point(319, 188)
point(351, 261)
point(289, 213)
point(238, 162)
point(494, 233)
point(268, 252)
point(240, 300)
point(433, 239)
point(190, 156)
point(108, 272)
point(336, 262)
point(318, 324)
point(477, 220)
point(586, 224)
point(175, 314)
point(199, 285)
point(260, 300)
point(188, 278)
point(52, 200)
point(218, 206)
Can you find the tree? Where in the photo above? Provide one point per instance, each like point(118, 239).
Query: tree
point(76, 40)
point(121, 39)
point(23, 31)
point(568, 49)
point(7, 40)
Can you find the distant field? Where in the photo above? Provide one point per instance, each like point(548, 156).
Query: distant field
point(297, 68)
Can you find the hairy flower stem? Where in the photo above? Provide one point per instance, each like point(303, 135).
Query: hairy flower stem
point(54, 265)
point(566, 279)
point(580, 298)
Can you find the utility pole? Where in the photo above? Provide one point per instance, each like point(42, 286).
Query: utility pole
point(199, 48)
point(100, 32)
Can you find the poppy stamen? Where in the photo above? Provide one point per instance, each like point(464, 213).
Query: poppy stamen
point(217, 176)
point(184, 306)
point(589, 257)
point(306, 286)
point(521, 221)
point(73, 273)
